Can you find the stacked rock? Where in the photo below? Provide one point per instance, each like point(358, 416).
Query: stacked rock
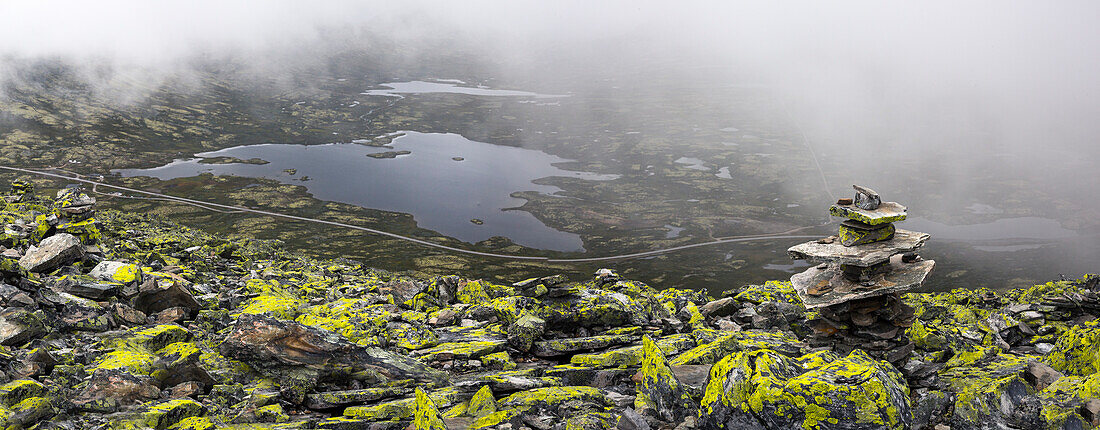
point(856, 289)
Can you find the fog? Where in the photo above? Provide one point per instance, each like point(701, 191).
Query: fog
point(955, 84)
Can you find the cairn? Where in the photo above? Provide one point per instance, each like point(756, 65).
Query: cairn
point(862, 271)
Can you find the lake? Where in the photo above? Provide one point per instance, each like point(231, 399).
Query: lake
point(469, 199)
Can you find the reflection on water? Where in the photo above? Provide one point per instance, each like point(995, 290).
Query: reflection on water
point(442, 194)
point(1002, 229)
point(692, 163)
point(983, 209)
point(447, 86)
point(795, 266)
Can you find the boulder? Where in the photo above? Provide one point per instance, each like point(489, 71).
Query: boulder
point(87, 287)
point(569, 346)
point(427, 416)
point(28, 412)
point(658, 389)
point(155, 296)
point(1077, 351)
point(18, 326)
point(711, 351)
point(117, 271)
point(483, 403)
point(110, 389)
point(51, 253)
point(1040, 375)
point(720, 308)
point(266, 342)
point(988, 386)
point(764, 389)
point(523, 333)
point(332, 399)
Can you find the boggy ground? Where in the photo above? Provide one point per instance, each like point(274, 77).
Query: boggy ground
point(126, 321)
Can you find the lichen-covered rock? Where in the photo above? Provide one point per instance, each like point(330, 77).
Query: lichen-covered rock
point(1077, 351)
point(483, 403)
point(117, 271)
point(110, 389)
point(359, 320)
point(765, 389)
point(460, 350)
point(1061, 405)
point(272, 413)
point(403, 409)
point(569, 346)
point(28, 412)
point(551, 399)
point(632, 355)
point(988, 386)
point(770, 291)
point(498, 361)
point(163, 415)
point(16, 391)
point(332, 399)
point(658, 389)
point(266, 342)
point(729, 342)
point(525, 330)
point(427, 416)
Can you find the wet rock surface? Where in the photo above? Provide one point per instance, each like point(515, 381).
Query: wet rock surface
point(171, 328)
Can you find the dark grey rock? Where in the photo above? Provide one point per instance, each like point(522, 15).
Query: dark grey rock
point(866, 198)
point(153, 297)
point(19, 326)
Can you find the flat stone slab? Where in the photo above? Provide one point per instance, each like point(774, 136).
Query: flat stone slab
point(838, 289)
point(863, 255)
point(886, 212)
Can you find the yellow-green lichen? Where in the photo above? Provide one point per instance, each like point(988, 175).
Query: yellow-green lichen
point(1077, 351)
point(498, 361)
point(483, 403)
point(358, 320)
point(427, 416)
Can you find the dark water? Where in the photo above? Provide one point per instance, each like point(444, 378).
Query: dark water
point(441, 193)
